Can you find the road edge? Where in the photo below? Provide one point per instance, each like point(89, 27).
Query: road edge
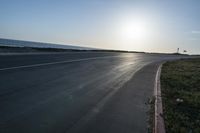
point(159, 126)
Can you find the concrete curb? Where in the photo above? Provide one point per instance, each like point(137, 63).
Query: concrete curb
point(159, 126)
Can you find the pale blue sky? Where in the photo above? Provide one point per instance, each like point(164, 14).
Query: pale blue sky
point(98, 23)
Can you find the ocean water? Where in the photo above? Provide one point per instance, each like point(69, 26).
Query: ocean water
point(19, 43)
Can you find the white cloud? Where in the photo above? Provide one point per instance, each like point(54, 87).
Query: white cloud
point(193, 39)
point(196, 32)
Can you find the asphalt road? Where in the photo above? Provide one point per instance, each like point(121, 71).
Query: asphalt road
point(82, 92)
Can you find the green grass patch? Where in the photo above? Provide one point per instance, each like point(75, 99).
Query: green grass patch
point(180, 84)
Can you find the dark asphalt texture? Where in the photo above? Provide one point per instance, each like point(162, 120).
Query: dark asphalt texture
point(99, 95)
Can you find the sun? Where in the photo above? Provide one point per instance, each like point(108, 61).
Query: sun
point(134, 30)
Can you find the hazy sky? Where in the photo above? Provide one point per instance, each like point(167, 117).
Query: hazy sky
point(140, 25)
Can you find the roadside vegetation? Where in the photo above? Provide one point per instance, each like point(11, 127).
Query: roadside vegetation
point(180, 83)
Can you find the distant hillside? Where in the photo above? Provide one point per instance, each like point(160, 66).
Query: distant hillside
point(29, 44)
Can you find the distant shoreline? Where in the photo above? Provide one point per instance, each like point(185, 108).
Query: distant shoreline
point(10, 49)
point(9, 46)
